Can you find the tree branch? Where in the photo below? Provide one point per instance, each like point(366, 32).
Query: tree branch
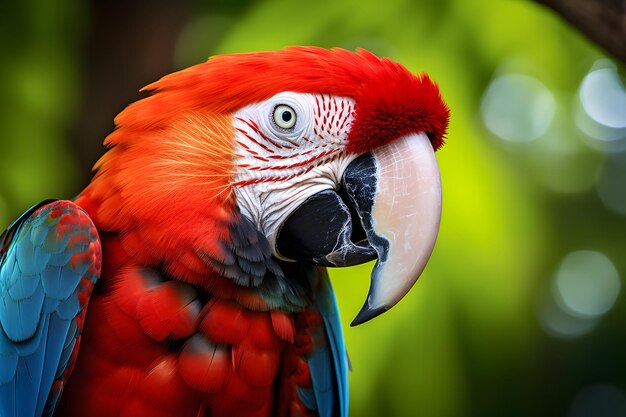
point(603, 21)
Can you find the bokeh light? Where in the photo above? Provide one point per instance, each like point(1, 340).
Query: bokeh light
point(611, 185)
point(603, 95)
point(584, 287)
point(560, 161)
point(586, 284)
point(517, 108)
point(600, 400)
point(600, 108)
point(558, 323)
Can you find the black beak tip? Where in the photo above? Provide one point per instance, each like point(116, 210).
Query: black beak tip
point(367, 313)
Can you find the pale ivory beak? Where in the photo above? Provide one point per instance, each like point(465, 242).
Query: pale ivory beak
point(401, 216)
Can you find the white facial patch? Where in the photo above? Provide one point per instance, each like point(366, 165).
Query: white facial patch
point(280, 162)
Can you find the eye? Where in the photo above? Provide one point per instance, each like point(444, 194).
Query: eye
point(284, 116)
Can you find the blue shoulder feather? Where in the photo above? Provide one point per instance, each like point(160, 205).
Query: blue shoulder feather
point(48, 257)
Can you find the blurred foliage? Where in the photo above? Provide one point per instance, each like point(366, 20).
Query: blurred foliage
point(471, 339)
point(38, 90)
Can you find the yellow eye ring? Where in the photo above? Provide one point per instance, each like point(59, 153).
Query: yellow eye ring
point(284, 116)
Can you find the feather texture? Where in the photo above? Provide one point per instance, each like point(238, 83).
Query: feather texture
point(194, 315)
point(49, 262)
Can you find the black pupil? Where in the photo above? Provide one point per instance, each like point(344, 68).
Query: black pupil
point(286, 116)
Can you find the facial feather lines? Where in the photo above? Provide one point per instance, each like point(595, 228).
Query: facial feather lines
point(197, 152)
point(263, 157)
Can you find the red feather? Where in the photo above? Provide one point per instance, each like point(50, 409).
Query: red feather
point(162, 198)
point(204, 366)
point(283, 325)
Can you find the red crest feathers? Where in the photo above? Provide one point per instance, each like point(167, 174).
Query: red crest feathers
point(390, 100)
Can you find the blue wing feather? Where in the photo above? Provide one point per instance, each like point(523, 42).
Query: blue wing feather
point(307, 396)
point(39, 302)
point(321, 368)
point(54, 349)
point(328, 364)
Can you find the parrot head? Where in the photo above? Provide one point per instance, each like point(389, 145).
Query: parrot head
point(249, 164)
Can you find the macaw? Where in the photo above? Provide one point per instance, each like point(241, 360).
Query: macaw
point(192, 269)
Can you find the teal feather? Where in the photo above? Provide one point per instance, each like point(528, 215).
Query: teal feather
point(39, 302)
point(328, 364)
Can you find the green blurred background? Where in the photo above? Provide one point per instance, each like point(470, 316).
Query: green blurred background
point(519, 312)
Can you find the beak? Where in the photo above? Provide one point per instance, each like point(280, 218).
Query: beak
point(388, 207)
point(400, 215)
